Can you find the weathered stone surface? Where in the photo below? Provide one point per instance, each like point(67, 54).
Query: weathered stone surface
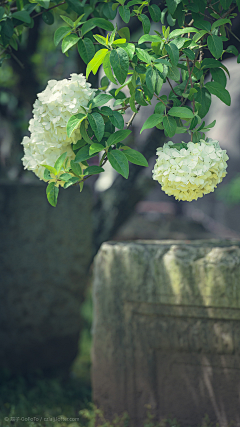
point(44, 258)
point(167, 330)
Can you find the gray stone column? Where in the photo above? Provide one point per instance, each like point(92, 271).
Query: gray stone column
point(44, 258)
point(166, 330)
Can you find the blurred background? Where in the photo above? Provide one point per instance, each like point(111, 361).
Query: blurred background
point(46, 253)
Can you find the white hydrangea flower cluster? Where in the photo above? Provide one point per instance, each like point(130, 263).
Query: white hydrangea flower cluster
point(191, 172)
point(51, 112)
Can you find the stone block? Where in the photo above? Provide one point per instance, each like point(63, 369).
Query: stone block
point(166, 330)
point(45, 253)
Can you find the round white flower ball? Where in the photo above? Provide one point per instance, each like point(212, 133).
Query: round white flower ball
point(189, 173)
point(51, 112)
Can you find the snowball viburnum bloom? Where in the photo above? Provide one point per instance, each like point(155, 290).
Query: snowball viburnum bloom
point(51, 112)
point(190, 172)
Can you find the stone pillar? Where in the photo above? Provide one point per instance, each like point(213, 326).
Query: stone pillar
point(45, 253)
point(166, 330)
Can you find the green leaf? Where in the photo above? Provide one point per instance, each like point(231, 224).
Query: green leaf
point(60, 33)
point(118, 136)
point(23, 16)
point(76, 168)
point(44, 3)
point(238, 59)
point(155, 12)
point(46, 175)
point(65, 176)
point(149, 38)
point(159, 108)
point(151, 79)
point(140, 98)
point(100, 39)
point(84, 133)
point(182, 112)
point(75, 5)
point(189, 53)
point(2, 11)
point(74, 122)
point(124, 32)
point(232, 49)
point(215, 45)
point(93, 170)
point(152, 121)
point(174, 73)
point(52, 194)
point(124, 12)
point(119, 162)
point(226, 4)
point(173, 53)
point(95, 148)
point(67, 20)
point(97, 22)
point(71, 181)
point(203, 97)
point(48, 17)
point(100, 100)
point(97, 124)
point(119, 42)
point(180, 31)
point(170, 125)
point(95, 63)
point(219, 76)
point(83, 154)
point(51, 169)
point(220, 22)
point(120, 63)
point(59, 162)
point(107, 68)
point(130, 49)
point(69, 41)
point(145, 23)
point(108, 11)
point(199, 35)
point(86, 49)
point(219, 91)
point(117, 119)
point(170, 20)
point(144, 56)
point(203, 25)
point(79, 144)
point(172, 5)
point(135, 157)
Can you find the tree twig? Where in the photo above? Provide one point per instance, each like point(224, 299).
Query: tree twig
point(50, 8)
point(133, 117)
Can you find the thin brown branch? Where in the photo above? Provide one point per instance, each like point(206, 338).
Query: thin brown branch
point(160, 100)
point(234, 35)
point(170, 84)
point(50, 8)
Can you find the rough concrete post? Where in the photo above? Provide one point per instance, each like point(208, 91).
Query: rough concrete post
point(167, 330)
point(44, 258)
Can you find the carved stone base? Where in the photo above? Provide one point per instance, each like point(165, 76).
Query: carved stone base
point(167, 330)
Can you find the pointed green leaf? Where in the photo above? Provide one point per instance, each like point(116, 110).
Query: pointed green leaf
point(170, 125)
point(203, 97)
point(52, 194)
point(107, 68)
point(180, 31)
point(95, 148)
point(97, 22)
point(93, 170)
point(118, 136)
point(144, 56)
point(124, 12)
point(101, 99)
point(83, 154)
point(86, 49)
point(60, 33)
point(95, 63)
point(130, 49)
point(172, 5)
point(151, 79)
point(23, 16)
point(120, 63)
point(145, 23)
point(84, 133)
point(219, 91)
point(135, 157)
point(173, 52)
point(152, 121)
point(182, 112)
point(117, 119)
point(65, 176)
point(220, 22)
point(74, 122)
point(51, 169)
point(124, 32)
point(215, 45)
point(119, 162)
point(71, 181)
point(219, 76)
point(69, 41)
point(97, 124)
point(76, 168)
point(155, 12)
point(59, 162)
